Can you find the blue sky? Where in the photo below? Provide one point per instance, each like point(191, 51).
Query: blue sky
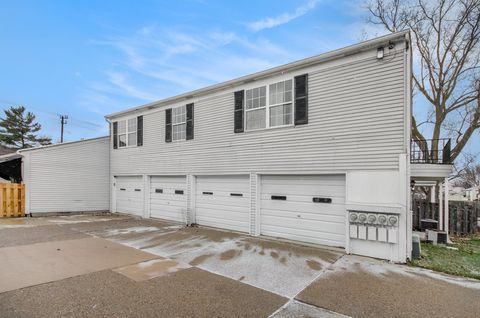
point(87, 59)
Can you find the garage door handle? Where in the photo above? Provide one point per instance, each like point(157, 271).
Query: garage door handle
point(122, 189)
point(207, 193)
point(138, 190)
point(322, 200)
point(236, 194)
point(279, 197)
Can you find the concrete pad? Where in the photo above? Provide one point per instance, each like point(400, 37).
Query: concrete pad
point(296, 309)
point(187, 293)
point(39, 263)
point(36, 234)
point(363, 287)
point(278, 267)
point(151, 269)
point(282, 268)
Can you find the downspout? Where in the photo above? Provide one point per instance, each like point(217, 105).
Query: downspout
point(110, 185)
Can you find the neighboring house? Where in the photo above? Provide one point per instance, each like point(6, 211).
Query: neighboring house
point(4, 150)
point(311, 151)
point(473, 193)
point(67, 177)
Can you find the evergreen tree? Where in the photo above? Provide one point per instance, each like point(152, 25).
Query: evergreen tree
point(18, 129)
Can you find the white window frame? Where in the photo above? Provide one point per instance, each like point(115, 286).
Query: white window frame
point(267, 105)
point(179, 123)
point(127, 132)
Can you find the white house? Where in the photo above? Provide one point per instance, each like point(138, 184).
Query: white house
point(315, 151)
point(67, 177)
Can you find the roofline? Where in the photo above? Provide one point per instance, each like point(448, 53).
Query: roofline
point(348, 50)
point(61, 144)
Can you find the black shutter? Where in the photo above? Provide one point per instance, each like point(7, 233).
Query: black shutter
point(189, 121)
point(238, 112)
point(140, 131)
point(168, 125)
point(115, 135)
point(301, 99)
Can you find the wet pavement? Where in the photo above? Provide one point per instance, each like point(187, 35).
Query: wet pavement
point(153, 268)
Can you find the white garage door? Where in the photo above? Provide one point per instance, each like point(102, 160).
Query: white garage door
point(168, 198)
point(223, 202)
point(129, 195)
point(304, 208)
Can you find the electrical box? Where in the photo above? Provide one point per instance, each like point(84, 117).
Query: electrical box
point(372, 233)
point(362, 232)
point(353, 231)
point(392, 235)
point(382, 234)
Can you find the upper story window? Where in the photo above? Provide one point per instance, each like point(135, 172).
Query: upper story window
point(179, 123)
point(269, 106)
point(128, 133)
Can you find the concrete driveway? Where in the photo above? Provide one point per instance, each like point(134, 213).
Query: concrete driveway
point(111, 265)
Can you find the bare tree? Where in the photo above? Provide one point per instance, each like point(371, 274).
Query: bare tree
point(469, 174)
point(446, 40)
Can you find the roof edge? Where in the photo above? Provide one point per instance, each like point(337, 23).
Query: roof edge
point(61, 144)
point(347, 50)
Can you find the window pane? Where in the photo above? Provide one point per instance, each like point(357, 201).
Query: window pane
point(132, 125)
point(288, 85)
point(122, 140)
point(179, 115)
point(249, 104)
point(179, 132)
point(256, 93)
point(281, 115)
point(122, 126)
point(256, 119)
point(263, 91)
point(132, 139)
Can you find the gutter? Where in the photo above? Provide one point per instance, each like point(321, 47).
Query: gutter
point(342, 52)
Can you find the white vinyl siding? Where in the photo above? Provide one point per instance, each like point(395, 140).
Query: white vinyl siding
point(164, 202)
point(223, 202)
point(69, 177)
point(356, 121)
point(297, 217)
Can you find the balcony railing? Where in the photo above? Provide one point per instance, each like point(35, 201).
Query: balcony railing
point(433, 151)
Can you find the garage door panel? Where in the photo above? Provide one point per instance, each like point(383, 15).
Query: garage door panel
point(127, 197)
point(308, 236)
point(294, 190)
point(303, 215)
point(298, 217)
point(304, 207)
point(304, 224)
point(216, 207)
point(219, 213)
point(223, 224)
point(167, 204)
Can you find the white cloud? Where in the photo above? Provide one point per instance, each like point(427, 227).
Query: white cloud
point(270, 22)
point(120, 81)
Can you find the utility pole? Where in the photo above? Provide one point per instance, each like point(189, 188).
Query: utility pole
point(63, 121)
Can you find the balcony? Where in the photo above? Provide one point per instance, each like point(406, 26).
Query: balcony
point(430, 151)
point(430, 159)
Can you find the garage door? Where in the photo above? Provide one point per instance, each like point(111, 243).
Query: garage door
point(129, 195)
point(223, 202)
point(168, 198)
point(304, 208)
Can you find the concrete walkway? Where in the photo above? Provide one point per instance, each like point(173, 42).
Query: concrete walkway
point(164, 269)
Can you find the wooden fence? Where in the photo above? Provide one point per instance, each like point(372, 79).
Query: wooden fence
point(12, 199)
point(463, 215)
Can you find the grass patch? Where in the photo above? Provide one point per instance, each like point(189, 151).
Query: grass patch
point(462, 262)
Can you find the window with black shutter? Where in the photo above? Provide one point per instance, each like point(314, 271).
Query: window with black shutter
point(301, 99)
point(238, 111)
point(168, 125)
point(189, 133)
point(140, 131)
point(115, 135)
